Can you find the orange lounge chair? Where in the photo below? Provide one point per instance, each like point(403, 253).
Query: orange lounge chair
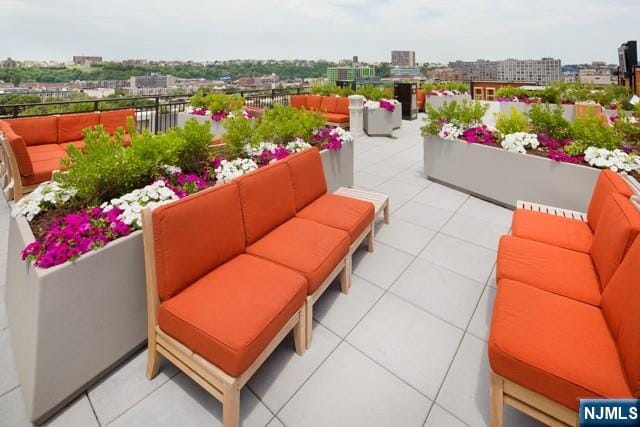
point(334, 108)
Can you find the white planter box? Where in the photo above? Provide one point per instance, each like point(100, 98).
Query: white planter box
point(437, 101)
point(379, 122)
point(397, 116)
point(216, 127)
point(569, 110)
point(505, 177)
point(72, 323)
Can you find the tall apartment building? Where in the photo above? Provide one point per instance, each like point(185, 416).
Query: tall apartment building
point(542, 71)
point(446, 74)
point(545, 70)
point(593, 76)
point(349, 73)
point(403, 58)
point(153, 80)
point(477, 70)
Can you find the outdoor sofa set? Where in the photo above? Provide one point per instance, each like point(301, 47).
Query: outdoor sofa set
point(233, 269)
point(37, 144)
point(334, 108)
point(566, 323)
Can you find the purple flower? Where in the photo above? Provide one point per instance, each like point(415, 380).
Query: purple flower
point(562, 156)
point(219, 115)
point(479, 135)
point(199, 111)
point(389, 106)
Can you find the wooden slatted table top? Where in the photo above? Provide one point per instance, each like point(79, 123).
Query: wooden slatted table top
point(552, 210)
point(380, 201)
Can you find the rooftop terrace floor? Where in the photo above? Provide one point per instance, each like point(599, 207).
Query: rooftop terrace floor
point(407, 345)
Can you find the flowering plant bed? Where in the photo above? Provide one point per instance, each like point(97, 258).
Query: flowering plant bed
point(382, 117)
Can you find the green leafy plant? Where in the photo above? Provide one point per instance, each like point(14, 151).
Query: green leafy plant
point(373, 93)
point(576, 148)
point(593, 131)
point(196, 144)
point(462, 87)
point(515, 121)
point(328, 90)
point(550, 121)
point(630, 131)
point(283, 124)
point(463, 114)
point(238, 134)
point(216, 102)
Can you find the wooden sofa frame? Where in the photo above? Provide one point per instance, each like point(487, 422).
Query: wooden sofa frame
point(543, 409)
point(10, 174)
point(218, 383)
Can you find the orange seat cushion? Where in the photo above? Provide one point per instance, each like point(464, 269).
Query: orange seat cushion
point(420, 96)
point(267, 200)
point(314, 102)
point(618, 227)
point(230, 315)
point(328, 104)
point(298, 101)
point(307, 176)
point(194, 235)
point(19, 148)
point(71, 126)
point(336, 118)
point(342, 106)
point(554, 345)
point(78, 144)
point(45, 159)
point(608, 182)
point(620, 302)
point(36, 130)
point(552, 229)
point(307, 247)
point(345, 213)
point(112, 120)
point(558, 270)
point(39, 153)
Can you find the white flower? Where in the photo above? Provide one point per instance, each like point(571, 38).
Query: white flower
point(297, 145)
point(46, 196)
point(132, 203)
point(616, 160)
point(229, 170)
point(250, 150)
point(170, 169)
point(450, 132)
point(343, 134)
point(519, 141)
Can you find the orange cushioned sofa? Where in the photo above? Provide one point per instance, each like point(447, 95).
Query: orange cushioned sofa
point(37, 144)
point(233, 269)
point(420, 99)
point(334, 108)
point(565, 322)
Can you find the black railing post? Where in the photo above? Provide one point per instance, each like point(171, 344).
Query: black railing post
point(96, 105)
point(157, 118)
point(15, 111)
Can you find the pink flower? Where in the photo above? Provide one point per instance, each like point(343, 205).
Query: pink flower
point(199, 111)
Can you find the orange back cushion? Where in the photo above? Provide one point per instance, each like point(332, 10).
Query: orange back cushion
point(307, 175)
point(267, 200)
point(618, 226)
point(36, 130)
point(420, 95)
point(314, 102)
point(298, 101)
point(19, 149)
point(608, 182)
point(112, 120)
point(195, 235)
point(328, 104)
point(342, 105)
point(620, 303)
point(70, 126)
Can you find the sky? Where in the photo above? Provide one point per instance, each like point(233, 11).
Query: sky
point(575, 31)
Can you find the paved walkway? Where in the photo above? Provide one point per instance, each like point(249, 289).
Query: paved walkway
point(406, 347)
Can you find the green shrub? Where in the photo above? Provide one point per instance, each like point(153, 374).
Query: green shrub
point(195, 147)
point(215, 102)
point(238, 134)
point(592, 130)
point(575, 148)
point(373, 93)
point(549, 121)
point(465, 114)
point(153, 152)
point(512, 92)
point(515, 121)
point(630, 131)
point(283, 124)
point(327, 90)
point(462, 87)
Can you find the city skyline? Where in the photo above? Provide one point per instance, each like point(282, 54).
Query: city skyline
point(573, 31)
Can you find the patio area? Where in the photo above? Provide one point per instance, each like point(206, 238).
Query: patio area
point(407, 346)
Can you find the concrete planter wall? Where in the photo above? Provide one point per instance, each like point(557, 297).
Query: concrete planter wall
point(379, 122)
point(397, 116)
point(505, 177)
point(71, 323)
point(437, 101)
point(216, 127)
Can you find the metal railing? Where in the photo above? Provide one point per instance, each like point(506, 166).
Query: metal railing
point(153, 113)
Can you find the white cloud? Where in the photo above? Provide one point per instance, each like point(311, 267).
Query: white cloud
point(438, 30)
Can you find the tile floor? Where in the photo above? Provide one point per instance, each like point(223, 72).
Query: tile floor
point(406, 347)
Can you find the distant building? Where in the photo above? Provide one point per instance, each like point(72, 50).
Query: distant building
point(570, 77)
point(405, 73)
point(87, 60)
point(349, 73)
point(8, 63)
point(477, 70)
point(153, 80)
point(403, 58)
point(446, 74)
point(545, 70)
point(601, 77)
point(486, 90)
point(355, 59)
